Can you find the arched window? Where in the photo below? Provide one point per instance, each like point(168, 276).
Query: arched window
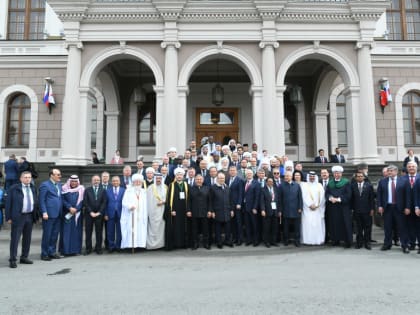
point(341, 121)
point(403, 20)
point(147, 121)
point(411, 118)
point(18, 121)
point(26, 19)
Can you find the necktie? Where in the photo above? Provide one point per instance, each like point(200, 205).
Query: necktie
point(247, 185)
point(58, 190)
point(325, 184)
point(115, 193)
point(95, 189)
point(412, 181)
point(360, 189)
point(231, 181)
point(28, 200)
point(393, 191)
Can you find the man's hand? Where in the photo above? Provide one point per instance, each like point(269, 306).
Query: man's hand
point(45, 216)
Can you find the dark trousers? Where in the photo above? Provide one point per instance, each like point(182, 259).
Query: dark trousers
point(218, 231)
point(113, 232)
point(236, 225)
point(90, 223)
point(364, 227)
point(270, 228)
point(393, 216)
point(296, 227)
point(413, 224)
point(21, 227)
point(50, 231)
point(105, 228)
point(251, 226)
point(197, 225)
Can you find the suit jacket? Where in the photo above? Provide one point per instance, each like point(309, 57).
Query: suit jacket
point(290, 200)
point(334, 159)
point(114, 205)
point(50, 200)
point(14, 202)
point(362, 203)
point(236, 190)
point(122, 181)
point(199, 200)
point(402, 190)
point(412, 189)
point(267, 199)
point(251, 196)
point(407, 159)
point(93, 204)
point(318, 159)
point(220, 203)
point(11, 170)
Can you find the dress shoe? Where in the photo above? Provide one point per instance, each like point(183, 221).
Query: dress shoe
point(220, 246)
point(26, 261)
point(12, 264)
point(267, 244)
point(207, 246)
point(55, 256)
point(335, 243)
point(229, 244)
point(406, 250)
point(358, 246)
point(367, 246)
point(99, 251)
point(412, 247)
point(45, 258)
point(385, 247)
point(274, 244)
point(87, 252)
point(286, 243)
point(347, 245)
point(297, 244)
point(238, 243)
point(256, 244)
point(248, 243)
point(373, 241)
point(397, 243)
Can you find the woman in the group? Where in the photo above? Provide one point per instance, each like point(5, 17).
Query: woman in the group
point(72, 224)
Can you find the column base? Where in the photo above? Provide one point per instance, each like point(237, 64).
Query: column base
point(369, 160)
point(74, 161)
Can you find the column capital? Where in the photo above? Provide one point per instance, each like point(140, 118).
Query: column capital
point(351, 91)
point(360, 44)
point(159, 89)
point(73, 43)
point(321, 113)
point(280, 89)
point(257, 90)
point(183, 90)
point(166, 44)
point(267, 43)
point(114, 113)
point(86, 91)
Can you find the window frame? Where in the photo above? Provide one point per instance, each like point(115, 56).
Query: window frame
point(403, 11)
point(19, 131)
point(28, 10)
point(412, 118)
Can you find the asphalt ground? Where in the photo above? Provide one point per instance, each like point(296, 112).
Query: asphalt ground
point(240, 280)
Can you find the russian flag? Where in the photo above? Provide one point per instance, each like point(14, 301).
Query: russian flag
point(385, 94)
point(48, 97)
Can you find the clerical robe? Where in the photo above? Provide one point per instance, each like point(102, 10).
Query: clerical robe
point(134, 222)
point(313, 224)
point(156, 194)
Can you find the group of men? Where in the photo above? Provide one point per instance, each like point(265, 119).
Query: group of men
point(175, 205)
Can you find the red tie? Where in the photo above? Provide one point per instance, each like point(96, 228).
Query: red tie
point(393, 191)
point(412, 181)
point(247, 186)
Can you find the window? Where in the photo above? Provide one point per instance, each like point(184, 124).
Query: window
point(147, 121)
point(26, 19)
point(403, 20)
point(18, 121)
point(94, 124)
point(341, 121)
point(411, 118)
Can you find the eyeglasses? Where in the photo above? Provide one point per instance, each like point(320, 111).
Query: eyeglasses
point(276, 173)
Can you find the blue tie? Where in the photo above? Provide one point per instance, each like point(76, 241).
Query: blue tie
point(28, 200)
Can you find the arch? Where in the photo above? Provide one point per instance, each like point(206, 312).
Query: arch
point(333, 113)
point(5, 96)
point(323, 90)
point(411, 86)
point(107, 55)
point(325, 53)
point(233, 54)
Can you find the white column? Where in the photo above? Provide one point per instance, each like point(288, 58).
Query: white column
point(321, 130)
point(132, 131)
point(269, 95)
point(75, 127)
point(161, 149)
point(112, 133)
point(367, 120)
point(279, 117)
point(182, 118)
point(175, 132)
point(257, 114)
point(354, 135)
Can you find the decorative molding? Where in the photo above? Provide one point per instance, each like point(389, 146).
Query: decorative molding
point(265, 43)
point(166, 44)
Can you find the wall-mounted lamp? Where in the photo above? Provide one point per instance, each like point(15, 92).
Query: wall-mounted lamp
point(295, 94)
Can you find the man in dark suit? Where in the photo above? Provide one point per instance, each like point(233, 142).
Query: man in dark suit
point(291, 204)
point(94, 202)
point(21, 205)
point(50, 204)
point(338, 158)
point(321, 158)
point(199, 206)
point(114, 196)
point(236, 187)
point(11, 171)
point(363, 205)
point(393, 199)
point(412, 221)
point(250, 206)
point(269, 212)
point(125, 178)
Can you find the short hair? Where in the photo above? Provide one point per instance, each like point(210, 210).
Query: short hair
point(319, 151)
point(412, 163)
point(392, 167)
point(51, 172)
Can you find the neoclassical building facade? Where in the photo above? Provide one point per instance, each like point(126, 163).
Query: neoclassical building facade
point(143, 76)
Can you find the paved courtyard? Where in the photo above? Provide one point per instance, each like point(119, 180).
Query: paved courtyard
point(242, 280)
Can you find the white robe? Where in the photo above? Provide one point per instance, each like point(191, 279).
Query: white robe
point(136, 218)
point(313, 223)
point(156, 223)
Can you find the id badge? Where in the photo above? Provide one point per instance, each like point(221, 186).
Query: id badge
point(274, 205)
point(181, 195)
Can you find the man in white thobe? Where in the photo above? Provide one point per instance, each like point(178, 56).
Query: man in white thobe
point(134, 215)
point(313, 224)
point(156, 198)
